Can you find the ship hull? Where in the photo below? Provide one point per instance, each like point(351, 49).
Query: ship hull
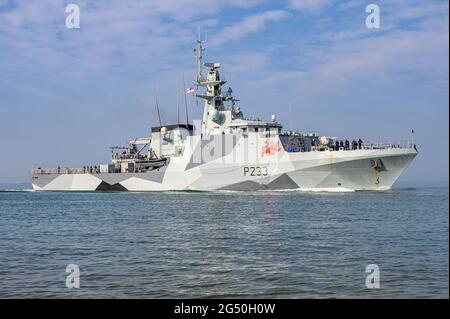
point(351, 170)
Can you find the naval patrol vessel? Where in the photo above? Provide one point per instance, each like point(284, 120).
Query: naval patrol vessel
point(229, 151)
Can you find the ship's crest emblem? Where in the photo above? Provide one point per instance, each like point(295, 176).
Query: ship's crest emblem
point(270, 148)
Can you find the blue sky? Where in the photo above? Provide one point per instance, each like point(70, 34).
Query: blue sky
point(66, 95)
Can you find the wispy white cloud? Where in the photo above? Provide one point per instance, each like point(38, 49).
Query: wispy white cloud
point(246, 62)
point(352, 54)
point(248, 25)
point(308, 5)
point(113, 34)
point(397, 56)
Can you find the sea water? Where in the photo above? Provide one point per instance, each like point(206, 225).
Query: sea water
point(231, 244)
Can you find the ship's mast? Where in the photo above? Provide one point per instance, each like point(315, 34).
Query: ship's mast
point(198, 56)
point(199, 77)
point(212, 95)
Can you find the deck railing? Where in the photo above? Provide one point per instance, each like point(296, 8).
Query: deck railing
point(368, 146)
point(66, 170)
point(388, 145)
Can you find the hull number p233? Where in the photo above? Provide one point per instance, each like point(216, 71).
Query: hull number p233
point(255, 171)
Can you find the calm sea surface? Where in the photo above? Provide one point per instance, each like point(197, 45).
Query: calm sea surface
point(210, 245)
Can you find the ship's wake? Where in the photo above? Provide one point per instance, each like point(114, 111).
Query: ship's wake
point(312, 190)
point(294, 190)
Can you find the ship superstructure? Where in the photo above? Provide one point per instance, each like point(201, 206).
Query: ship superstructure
point(228, 151)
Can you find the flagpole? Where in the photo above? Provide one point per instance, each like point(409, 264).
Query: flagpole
point(157, 109)
point(190, 105)
point(178, 108)
point(290, 117)
point(185, 101)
